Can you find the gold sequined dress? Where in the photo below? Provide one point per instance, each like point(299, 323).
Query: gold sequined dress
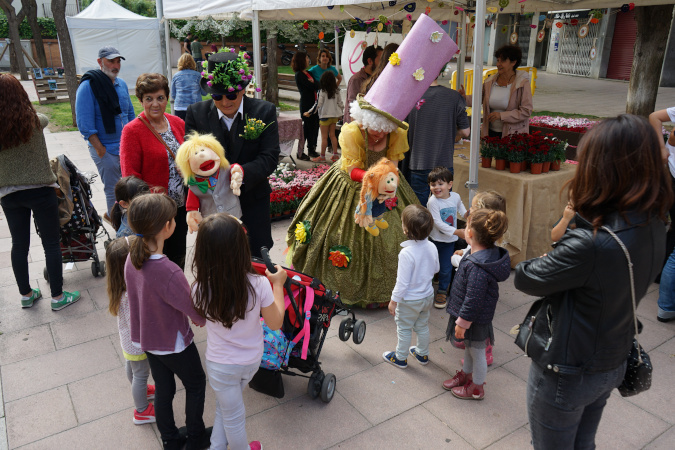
point(329, 208)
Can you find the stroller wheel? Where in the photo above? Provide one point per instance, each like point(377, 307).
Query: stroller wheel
point(328, 388)
point(359, 331)
point(314, 385)
point(96, 268)
point(101, 270)
point(46, 274)
point(345, 330)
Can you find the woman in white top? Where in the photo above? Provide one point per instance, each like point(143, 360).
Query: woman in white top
point(507, 107)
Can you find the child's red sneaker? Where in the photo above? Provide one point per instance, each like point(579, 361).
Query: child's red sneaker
point(460, 379)
point(151, 392)
point(147, 416)
point(470, 391)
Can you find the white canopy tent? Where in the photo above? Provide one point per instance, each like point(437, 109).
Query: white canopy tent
point(363, 9)
point(104, 22)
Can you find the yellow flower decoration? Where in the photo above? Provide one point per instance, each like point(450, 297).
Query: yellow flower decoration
point(380, 27)
point(419, 74)
point(352, 33)
point(302, 233)
point(436, 37)
point(394, 59)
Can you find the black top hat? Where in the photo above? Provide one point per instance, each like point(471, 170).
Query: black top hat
point(226, 72)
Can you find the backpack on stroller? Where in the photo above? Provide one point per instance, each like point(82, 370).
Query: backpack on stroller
point(310, 306)
point(80, 223)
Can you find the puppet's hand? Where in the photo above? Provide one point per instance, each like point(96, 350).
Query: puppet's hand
point(363, 220)
point(193, 220)
point(236, 179)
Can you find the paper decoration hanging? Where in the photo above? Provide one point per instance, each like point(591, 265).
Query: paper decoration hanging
point(574, 22)
point(410, 7)
point(380, 26)
point(342, 8)
point(364, 44)
point(352, 33)
point(427, 10)
point(393, 3)
point(625, 8)
point(542, 18)
point(492, 9)
point(305, 25)
point(330, 7)
point(583, 31)
point(505, 28)
point(533, 26)
point(631, 6)
point(593, 53)
point(503, 3)
point(321, 35)
point(541, 35)
point(559, 24)
point(594, 20)
point(513, 39)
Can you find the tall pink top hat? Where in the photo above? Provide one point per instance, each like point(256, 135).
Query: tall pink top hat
point(410, 72)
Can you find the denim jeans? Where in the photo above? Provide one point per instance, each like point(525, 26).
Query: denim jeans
point(44, 205)
point(565, 408)
point(666, 300)
point(445, 252)
point(229, 426)
point(187, 366)
point(413, 315)
point(419, 182)
point(109, 170)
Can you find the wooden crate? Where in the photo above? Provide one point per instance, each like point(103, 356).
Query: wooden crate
point(46, 95)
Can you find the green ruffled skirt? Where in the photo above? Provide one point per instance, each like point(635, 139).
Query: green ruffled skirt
point(329, 208)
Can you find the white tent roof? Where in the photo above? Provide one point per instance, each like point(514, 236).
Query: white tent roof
point(104, 22)
point(364, 9)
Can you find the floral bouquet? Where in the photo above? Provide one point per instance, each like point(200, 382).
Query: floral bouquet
point(254, 128)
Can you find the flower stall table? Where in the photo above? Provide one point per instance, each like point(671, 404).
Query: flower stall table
point(290, 129)
point(533, 203)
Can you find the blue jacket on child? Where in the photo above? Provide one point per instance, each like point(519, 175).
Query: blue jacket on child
point(475, 291)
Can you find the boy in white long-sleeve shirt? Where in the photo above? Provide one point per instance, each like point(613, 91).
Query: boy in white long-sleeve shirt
point(445, 206)
point(413, 294)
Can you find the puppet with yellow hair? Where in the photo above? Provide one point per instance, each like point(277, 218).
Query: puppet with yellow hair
point(377, 192)
point(213, 184)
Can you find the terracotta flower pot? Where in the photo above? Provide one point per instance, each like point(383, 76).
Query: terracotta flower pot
point(486, 162)
point(515, 167)
point(523, 166)
point(555, 165)
point(545, 168)
point(535, 168)
point(500, 164)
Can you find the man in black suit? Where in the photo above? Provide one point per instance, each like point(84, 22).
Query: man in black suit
point(224, 117)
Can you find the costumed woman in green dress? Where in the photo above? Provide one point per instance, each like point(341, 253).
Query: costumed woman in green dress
point(324, 239)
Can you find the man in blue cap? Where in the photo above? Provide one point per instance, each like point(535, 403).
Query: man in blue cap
point(103, 107)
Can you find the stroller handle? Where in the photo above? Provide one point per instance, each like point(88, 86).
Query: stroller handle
point(287, 284)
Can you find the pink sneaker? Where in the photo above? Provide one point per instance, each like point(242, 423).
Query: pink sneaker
point(151, 392)
point(147, 416)
point(255, 445)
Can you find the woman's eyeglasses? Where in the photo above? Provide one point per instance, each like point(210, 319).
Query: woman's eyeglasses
point(229, 96)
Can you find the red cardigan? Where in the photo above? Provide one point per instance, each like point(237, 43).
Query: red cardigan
point(143, 156)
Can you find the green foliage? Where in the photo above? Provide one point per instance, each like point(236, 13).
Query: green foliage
point(46, 25)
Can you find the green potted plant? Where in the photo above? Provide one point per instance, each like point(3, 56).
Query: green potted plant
point(537, 155)
point(558, 153)
point(487, 150)
point(500, 153)
point(516, 156)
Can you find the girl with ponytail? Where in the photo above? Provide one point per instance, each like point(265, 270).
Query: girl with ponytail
point(473, 299)
point(160, 310)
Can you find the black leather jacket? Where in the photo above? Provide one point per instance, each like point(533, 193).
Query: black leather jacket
point(596, 325)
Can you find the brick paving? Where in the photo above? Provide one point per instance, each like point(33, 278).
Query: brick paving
point(63, 381)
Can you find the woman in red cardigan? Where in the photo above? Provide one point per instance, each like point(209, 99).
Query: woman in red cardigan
point(148, 148)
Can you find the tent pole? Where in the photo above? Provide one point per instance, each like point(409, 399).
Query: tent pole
point(167, 42)
point(461, 57)
point(257, 68)
point(477, 100)
point(337, 49)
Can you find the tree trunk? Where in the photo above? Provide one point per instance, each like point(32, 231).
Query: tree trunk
point(653, 27)
point(17, 64)
point(67, 56)
point(31, 10)
point(272, 92)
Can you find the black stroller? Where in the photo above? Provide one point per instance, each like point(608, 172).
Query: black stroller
point(80, 224)
point(311, 306)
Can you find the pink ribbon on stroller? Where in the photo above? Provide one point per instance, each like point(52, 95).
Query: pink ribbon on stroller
point(304, 332)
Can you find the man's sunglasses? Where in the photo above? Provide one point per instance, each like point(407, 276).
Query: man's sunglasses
point(229, 96)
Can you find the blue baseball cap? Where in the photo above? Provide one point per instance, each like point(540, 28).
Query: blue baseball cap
point(109, 52)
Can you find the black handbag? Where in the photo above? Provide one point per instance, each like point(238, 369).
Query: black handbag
point(638, 377)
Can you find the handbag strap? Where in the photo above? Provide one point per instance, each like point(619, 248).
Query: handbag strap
point(152, 129)
point(632, 285)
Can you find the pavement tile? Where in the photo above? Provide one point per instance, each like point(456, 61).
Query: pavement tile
point(482, 423)
point(341, 360)
point(25, 344)
point(663, 442)
point(396, 391)
point(504, 322)
point(4, 445)
point(618, 425)
point(112, 385)
point(520, 439)
point(25, 378)
point(5, 258)
point(84, 328)
point(38, 416)
point(416, 428)
point(519, 366)
point(113, 432)
point(304, 423)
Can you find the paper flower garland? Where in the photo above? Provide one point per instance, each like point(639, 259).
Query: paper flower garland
point(394, 59)
point(321, 35)
point(427, 10)
point(419, 74)
point(352, 33)
point(410, 7)
point(380, 26)
point(503, 3)
point(340, 256)
point(305, 25)
point(408, 17)
point(302, 232)
point(505, 28)
point(559, 24)
point(436, 37)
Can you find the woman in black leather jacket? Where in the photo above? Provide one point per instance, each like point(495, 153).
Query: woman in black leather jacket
point(621, 183)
